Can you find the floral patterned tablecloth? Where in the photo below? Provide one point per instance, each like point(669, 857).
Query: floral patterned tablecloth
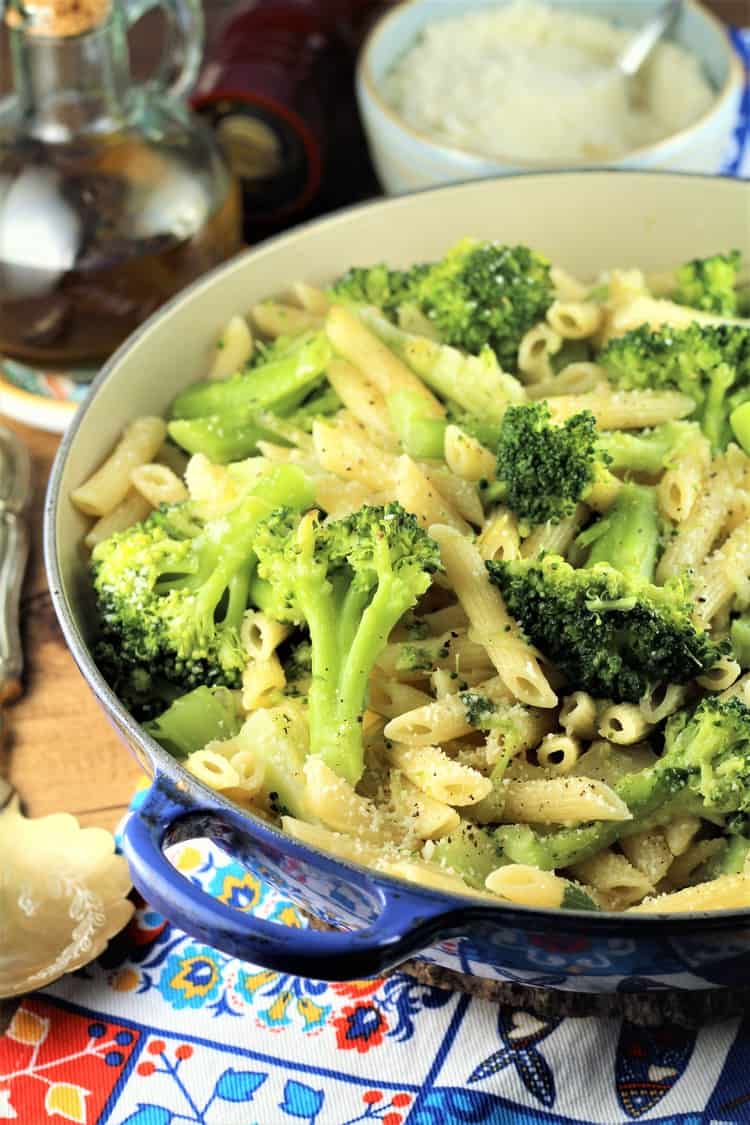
point(163, 1030)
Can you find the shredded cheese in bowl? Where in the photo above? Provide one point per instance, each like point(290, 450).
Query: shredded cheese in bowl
point(534, 83)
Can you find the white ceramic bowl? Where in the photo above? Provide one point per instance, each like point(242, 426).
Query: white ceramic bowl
point(406, 160)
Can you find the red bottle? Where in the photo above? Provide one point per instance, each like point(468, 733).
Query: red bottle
point(278, 88)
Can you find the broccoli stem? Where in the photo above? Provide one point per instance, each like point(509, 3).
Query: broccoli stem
point(195, 719)
point(476, 383)
point(647, 452)
point(278, 383)
point(739, 420)
point(231, 553)
point(643, 792)
point(714, 422)
point(319, 607)
point(470, 852)
point(337, 721)
point(739, 635)
point(731, 860)
point(222, 440)
point(239, 594)
point(421, 436)
point(627, 536)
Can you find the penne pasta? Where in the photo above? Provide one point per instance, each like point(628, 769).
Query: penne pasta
point(527, 886)
point(558, 752)
point(311, 298)
point(536, 347)
point(424, 817)
point(353, 458)
point(110, 484)
point(563, 800)
point(698, 531)
point(158, 484)
point(649, 853)
point(623, 723)
point(566, 286)
point(233, 349)
point(615, 877)
point(353, 341)
point(134, 508)
point(363, 399)
point(680, 485)
point(554, 538)
point(728, 892)
point(680, 833)
point(723, 576)
point(274, 319)
point(417, 493)
point(624, 410)
point(723, 674)
point(575, 320)
point(491, 626)
point(332, 801)
point(262, 680)
point(500, 537)
point(437, 775)
point(442, 720)
point(466, 457)
point(578, 715)
point(574, 379)
point(661, 701)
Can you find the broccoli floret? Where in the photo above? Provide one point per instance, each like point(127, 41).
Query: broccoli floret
point(709, 283)
point(171, 593)
point(712, 748)
point(484, 294)
point(480, 295)
point(703, 771)
point(611, 634)
point(605, 626)
point(220, 418)
point(349, 581)
point(544, 470)
point(377, 285)
point(703, 361)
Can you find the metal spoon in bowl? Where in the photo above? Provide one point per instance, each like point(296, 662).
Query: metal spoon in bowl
point(632, 57)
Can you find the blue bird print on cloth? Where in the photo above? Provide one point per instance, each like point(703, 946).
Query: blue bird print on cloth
point(649, 1062)
point(520, 1032)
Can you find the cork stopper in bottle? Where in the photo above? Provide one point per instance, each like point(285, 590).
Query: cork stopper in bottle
point(58, 18)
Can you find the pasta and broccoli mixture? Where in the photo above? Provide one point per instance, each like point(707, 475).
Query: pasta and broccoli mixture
point(446, 570)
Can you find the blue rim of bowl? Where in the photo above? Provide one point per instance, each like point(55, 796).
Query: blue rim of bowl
point(468, 157)
point(601, 923)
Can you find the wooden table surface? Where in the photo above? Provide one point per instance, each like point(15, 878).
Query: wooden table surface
point(61, 753)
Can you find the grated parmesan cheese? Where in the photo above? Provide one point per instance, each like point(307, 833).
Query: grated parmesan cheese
point(533, 83)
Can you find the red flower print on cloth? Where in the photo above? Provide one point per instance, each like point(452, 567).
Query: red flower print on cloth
point(355, 989)
point(360, 1027)
point(57, 1065)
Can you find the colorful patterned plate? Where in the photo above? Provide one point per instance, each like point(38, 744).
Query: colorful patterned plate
point(44, 399)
